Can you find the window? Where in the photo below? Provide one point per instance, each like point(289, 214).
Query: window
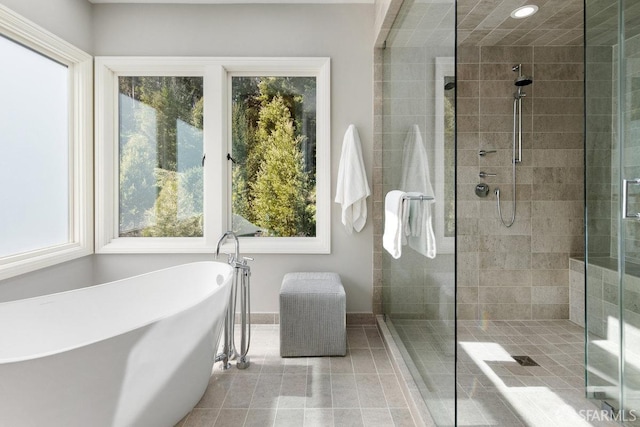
point(45, 148)
point(159, 154)
point(273, 126)
point(190, 148)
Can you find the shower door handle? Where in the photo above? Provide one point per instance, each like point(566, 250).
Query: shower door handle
point(625, 198)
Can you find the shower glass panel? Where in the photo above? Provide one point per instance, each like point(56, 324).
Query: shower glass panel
point(419, 89)
point(613, 202)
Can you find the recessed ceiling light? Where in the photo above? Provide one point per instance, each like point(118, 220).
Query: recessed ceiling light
point(524, 11)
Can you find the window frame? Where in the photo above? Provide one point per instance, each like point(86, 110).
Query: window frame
point(217, 73)
point(80, 72)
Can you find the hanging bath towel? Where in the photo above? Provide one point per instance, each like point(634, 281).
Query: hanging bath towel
point(415, 180)
point(394, 222)
point(353, 189)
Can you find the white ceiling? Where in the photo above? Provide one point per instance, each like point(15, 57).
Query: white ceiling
point(236, 1)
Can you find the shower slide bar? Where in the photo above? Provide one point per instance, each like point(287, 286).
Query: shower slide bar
point(516, 158)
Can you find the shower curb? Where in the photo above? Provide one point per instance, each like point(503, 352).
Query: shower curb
point(417, 407)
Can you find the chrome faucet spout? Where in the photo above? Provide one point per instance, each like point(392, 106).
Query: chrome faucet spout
point(222, 239)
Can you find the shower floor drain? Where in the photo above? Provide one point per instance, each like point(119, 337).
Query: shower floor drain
point(525, 360)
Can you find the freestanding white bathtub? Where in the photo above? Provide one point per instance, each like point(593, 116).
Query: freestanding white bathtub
point(135, 352)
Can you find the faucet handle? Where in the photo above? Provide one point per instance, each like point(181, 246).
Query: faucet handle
point(483, 153)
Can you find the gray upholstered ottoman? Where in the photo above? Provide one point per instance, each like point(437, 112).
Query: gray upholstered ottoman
point(313, 310)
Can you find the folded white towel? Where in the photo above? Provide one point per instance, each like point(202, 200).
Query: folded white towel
point(414, 218)
point(353, 189)
point(394, 216)
point(415, 178)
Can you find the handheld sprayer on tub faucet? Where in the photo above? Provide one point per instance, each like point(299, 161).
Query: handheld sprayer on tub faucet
point(241, 279)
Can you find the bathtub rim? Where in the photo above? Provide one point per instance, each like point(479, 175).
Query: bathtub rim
point(207, 295)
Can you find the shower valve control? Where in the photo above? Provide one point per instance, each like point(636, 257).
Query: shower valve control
point(483, 153)
point(486, 174)
point(482, 190)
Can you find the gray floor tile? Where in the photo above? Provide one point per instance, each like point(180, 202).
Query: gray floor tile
point(370, 391)
point(318, 391)
point(260, 417)
point(241, 391)
point(267, 392)
point(231, 417)
point(344, 391)
point(289, 418)
point(318, 417)
point(293, 391)
point(304, 391)
point(201, 417)
point(377, 418)
point(347, 418)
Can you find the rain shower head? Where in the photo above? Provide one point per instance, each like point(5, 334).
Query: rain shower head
point(523, 81)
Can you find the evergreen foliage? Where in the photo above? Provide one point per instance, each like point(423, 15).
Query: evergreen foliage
point(273, 179)
point(156, 198)
point(273, 140)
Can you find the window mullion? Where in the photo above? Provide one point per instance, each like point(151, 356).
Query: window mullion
point(215, 145)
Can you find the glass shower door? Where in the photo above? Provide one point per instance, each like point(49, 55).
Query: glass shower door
point(612, 180)
point(629, 227)
point(418, 139)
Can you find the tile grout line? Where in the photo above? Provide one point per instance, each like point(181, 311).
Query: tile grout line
point(353, 368)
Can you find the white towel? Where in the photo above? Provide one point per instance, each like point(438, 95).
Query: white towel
point(415, 179)
point(353, 189)
point(394, 217)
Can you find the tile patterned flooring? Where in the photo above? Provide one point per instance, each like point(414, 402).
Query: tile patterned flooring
point(494, 390)
point(360, 389)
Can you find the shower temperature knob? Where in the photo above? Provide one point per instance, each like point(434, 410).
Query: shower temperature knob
point(482, 190)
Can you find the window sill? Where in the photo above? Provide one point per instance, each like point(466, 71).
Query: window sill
point(31, 261)
point(248, 245)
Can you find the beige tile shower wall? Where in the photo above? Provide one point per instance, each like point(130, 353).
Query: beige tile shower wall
point(600, 203)
point(521, 272)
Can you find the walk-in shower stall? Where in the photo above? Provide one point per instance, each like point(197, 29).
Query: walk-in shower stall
point(529, 314)
point(612, 259)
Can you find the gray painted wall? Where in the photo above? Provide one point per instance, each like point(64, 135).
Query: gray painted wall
point(342, 32)
point(58, 278)
point(68, 19)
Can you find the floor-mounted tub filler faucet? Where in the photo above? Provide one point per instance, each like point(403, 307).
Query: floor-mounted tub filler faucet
point(222, 239)
point(241, 279)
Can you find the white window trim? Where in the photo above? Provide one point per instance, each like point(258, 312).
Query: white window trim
point(80, 66)
point(217, 171)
